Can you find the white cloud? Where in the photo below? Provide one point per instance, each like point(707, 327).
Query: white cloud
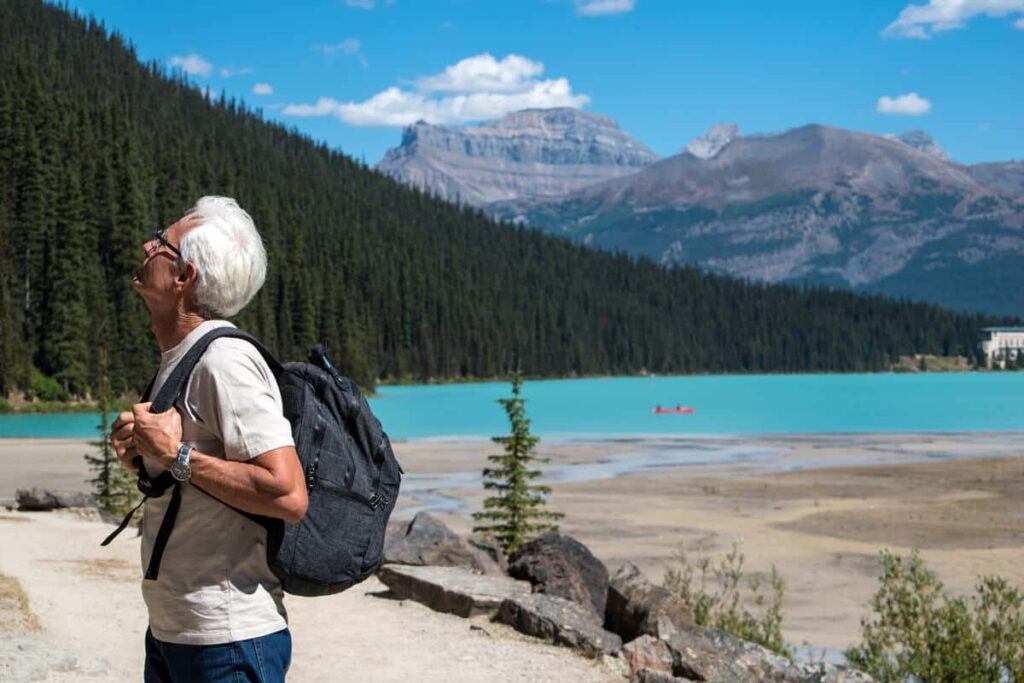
point(228, 73)
point(923, 21)
point(262, 89)
point(349, 46)
point(594, 8)
point(475, 89)
point(361, 4)
point(1019, 24)
point(484, 73)
point(192, 64)
point(910, 104)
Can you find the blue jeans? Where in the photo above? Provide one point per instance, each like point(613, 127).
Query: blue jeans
point(257, 660)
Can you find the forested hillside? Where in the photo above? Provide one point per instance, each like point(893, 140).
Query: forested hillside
point(97, 149)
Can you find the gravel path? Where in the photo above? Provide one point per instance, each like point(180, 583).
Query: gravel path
point(88, 604)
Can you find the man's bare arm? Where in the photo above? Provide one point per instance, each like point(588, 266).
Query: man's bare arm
point(270, 484)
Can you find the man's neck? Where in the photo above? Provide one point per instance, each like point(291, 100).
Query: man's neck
point(172, 330)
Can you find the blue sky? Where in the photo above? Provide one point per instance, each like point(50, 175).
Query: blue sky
point(351, 72)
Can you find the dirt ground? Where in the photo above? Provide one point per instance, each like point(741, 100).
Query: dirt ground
point(820, 508)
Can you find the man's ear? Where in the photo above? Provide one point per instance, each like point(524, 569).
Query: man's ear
point(188, 274)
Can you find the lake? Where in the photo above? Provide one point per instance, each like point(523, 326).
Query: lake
point(732, 404)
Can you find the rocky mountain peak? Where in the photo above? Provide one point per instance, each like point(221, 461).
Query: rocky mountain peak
point(923, 142)
point(711, 143)
point(528, 153)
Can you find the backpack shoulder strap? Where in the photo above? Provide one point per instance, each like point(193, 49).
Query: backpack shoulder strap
point(175, 384)
point(165, 398)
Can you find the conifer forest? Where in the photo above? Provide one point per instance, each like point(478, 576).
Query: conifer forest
point(98, 149)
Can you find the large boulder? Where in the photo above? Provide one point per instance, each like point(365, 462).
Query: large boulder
point(558, 621)
point(562, 566)
point(636, 607)
point(455, 590)
point(647, 653)
point(713, 655)
point(426, 540)
point(39, 499)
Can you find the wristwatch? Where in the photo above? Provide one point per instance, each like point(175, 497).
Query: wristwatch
point(180, 468)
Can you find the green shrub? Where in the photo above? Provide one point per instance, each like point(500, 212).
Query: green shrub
point(44, 388)
point(920, 633)
point(519, 509)
point(725, 606)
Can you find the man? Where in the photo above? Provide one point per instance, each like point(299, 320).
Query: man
point(216, 611)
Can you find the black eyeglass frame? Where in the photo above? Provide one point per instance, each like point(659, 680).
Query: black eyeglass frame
point(159, 237)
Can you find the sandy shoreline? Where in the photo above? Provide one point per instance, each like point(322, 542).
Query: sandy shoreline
point(820, 507)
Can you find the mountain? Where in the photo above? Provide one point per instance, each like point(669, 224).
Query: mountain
point(923, 142)
point(818, 204)
point(97, 148)
point(1007, 177)
point(713, 141)
point(526, 154)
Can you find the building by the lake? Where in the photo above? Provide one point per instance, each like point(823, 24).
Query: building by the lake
point(1002, 344)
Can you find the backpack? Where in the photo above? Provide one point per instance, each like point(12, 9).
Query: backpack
point(352, 476)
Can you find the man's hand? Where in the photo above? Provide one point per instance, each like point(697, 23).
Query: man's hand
point(123, 440)
point(156, 435)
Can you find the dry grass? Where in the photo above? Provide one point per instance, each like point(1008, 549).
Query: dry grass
point(13, 518)
point(16, 617)
point(117, 570)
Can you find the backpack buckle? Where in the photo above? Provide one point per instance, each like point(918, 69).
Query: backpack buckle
point(377, 501)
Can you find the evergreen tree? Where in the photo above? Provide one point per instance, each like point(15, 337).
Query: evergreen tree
point(403, 286)
point(518, 505)
point(66, 352)
point(113, 486)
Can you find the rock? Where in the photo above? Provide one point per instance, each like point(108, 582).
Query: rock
point(494, 553)
point(559, 621)
point(653, 676)
point(37, 499)
point(647, 653)
point(636, 607)
point(562, 566)
point(713, 655)
point(455, 590)
point(427, 541)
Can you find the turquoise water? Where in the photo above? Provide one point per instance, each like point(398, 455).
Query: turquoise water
point(749, 404)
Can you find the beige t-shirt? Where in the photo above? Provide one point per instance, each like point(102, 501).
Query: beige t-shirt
point(214, 584)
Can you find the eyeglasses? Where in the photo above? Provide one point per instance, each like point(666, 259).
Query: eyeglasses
point(159, 237)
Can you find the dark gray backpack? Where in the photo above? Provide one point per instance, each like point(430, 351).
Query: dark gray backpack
point(352, 476)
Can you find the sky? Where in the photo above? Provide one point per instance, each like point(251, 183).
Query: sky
point(353, 72)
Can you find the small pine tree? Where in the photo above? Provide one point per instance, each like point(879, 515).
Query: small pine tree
point(113, 485)
point(518, 503)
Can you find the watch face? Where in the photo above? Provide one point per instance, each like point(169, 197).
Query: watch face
point(181, 471)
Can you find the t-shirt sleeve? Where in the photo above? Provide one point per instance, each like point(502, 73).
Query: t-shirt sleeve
point(236, 395)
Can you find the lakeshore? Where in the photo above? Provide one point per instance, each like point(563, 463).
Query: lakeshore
point(820, 507)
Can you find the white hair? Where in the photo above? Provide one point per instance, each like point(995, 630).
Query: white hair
point(228, 253)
